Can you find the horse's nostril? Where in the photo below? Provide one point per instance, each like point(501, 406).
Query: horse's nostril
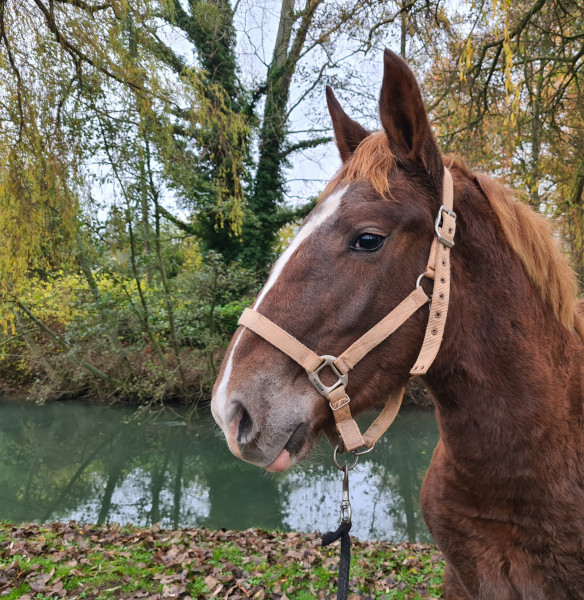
point(245, 428)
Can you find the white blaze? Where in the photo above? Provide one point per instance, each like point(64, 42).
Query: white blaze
point(219, 399)
point(324, 211)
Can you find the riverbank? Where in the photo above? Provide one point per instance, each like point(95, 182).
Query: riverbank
point(415, 395)
point(112, 562)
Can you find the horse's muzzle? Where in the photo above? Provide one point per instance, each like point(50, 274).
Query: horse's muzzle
point(262, 446)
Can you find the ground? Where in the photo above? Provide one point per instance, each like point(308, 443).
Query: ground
point(112, 562)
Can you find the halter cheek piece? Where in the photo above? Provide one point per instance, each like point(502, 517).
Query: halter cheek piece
point(438, 269)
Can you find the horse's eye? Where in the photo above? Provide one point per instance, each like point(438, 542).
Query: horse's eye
point(368, 242)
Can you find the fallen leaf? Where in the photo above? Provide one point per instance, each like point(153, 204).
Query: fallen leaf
point(40, 583)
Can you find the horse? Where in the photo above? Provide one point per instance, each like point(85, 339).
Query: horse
point(504, 494)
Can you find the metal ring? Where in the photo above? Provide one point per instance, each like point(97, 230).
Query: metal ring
point(346, 465)
point(361, 452)
point(419, 280)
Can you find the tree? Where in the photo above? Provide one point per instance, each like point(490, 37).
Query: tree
point(517, 102)
point(88, 102)
point(303, 58)
point(142, 159)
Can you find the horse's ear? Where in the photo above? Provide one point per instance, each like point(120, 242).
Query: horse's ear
point(404, 118)
point(348, 133)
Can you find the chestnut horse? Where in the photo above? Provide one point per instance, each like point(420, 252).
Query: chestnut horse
point(504, 494)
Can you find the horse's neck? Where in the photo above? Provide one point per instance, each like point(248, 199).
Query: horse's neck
point(508, 381)
point(511, 405)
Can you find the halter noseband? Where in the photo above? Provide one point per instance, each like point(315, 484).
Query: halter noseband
point(438, 269)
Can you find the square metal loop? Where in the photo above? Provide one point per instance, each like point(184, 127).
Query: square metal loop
point(322, 389)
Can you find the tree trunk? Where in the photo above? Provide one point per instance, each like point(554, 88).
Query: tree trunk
point(403, 32)
point(177, 492)
point(36, 352)
point(113, 476)
point(575, 216)
point(145, 317)
point(209, 26)
point(157, 484)
point(259, 231)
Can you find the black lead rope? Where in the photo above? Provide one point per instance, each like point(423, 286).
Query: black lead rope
point(342, 533)
point(345, 561)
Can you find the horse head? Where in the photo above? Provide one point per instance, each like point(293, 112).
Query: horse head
point(356, 257)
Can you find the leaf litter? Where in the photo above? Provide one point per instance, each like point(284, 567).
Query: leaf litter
point(69, 560)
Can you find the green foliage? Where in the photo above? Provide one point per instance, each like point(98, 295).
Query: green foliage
point(228, 315)
point(89, 288)
point(106, 326)
point(109, 94)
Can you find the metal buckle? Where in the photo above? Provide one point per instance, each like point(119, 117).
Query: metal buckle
point(341, 405)
point(346, 511)
point(442, 239)
point(322, 389)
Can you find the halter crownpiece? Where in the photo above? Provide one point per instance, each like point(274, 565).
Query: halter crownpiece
point(438, 269)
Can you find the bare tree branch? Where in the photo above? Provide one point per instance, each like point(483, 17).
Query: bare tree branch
point(90, 8)
point(14, 68)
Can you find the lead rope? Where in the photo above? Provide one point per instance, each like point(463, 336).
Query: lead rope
point(342, 532)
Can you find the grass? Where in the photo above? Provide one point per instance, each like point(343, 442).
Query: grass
point(106, 562)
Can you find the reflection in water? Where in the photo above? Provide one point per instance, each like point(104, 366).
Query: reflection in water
point(96, 464)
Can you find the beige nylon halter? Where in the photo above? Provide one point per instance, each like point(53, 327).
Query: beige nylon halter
point(438, 269)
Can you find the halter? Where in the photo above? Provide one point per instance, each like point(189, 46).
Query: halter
point(437, 269)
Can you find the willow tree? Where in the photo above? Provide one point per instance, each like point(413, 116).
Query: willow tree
point(88, 101)
point(40, 159)
point(515, 101)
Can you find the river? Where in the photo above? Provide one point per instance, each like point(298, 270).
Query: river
point(96, 464)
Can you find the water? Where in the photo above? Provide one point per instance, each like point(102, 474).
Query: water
point(98, 464)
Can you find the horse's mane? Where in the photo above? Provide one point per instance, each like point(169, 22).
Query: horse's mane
point(528, 232)
point(530, 235)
